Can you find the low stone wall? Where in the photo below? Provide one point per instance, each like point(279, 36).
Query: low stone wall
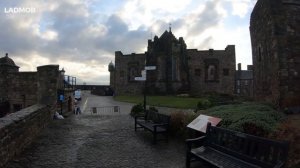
point(18, 130)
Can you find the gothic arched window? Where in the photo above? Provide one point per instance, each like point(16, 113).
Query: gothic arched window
point(211, 70)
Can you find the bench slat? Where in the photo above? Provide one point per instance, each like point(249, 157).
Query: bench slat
point(150, 126)
point(220, 159)
point(154, 122)
point(258, 151)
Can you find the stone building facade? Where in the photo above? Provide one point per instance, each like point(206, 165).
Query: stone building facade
point(178, 69)
point(19, 90)
point(275, 38)
point(244, 81)
point(28, 101)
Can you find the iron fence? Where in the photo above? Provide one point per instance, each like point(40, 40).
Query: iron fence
point(106, 110)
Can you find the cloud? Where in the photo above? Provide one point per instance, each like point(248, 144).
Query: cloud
point(241, 7)
point(145, 12)
point(209, 17)
point(82, 35)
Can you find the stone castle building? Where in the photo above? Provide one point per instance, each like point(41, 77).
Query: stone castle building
point(178, 69)
point(19, 90)
point(244, 81)
point(275, 38)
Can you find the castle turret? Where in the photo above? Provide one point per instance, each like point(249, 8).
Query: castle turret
point(111, 67)
point(8, 65)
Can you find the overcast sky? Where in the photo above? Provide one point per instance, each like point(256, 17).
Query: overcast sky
point(82, 35)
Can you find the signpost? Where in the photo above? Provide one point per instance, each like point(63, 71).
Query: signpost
point(144, 78)
point(139, 79)
point(150, 68)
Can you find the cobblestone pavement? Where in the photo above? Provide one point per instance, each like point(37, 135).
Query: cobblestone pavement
point(97, 140)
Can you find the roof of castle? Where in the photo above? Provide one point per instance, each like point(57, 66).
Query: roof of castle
point(7, 61)
point(168, 35)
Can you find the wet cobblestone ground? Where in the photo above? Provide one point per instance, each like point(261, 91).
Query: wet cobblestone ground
point(96, 140)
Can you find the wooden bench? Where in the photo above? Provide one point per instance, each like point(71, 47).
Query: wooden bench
point(230, 149)
point(154, 122)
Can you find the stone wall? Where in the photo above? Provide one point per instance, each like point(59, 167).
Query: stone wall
point(178, 69)
point(22, 89)
point(275, 38)
point(265, 50)
point(290, 85)
point(223, 77)
point(244, 81)
point(18, 130)
point(126, 64)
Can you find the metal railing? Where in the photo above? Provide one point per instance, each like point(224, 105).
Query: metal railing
point(69, 81)
point(106, 110)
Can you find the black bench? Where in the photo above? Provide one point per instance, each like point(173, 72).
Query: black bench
point(230, 149)
point(154, 122)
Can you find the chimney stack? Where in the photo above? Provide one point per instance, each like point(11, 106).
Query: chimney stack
point(239, 66)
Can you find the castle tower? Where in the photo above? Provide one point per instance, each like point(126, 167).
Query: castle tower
point(7, 65)
point(169, 55)
point(111, 69)
point(274, 30)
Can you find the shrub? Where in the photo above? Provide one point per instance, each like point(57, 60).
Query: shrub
point(178, 123)
point(289, 130)
point(251, 118)
point(136, 110)
point(204, 104)
point(153, 109)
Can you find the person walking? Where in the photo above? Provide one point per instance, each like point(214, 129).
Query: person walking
point(77, 110)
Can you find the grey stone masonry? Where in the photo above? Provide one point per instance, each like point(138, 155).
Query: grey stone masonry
point(48, 84)
point(178, 69)
point(17, 130)
point(275, 38)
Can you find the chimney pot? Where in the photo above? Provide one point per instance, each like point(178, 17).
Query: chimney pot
point(239, 66)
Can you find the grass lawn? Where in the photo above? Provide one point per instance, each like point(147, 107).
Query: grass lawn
point(163, 101)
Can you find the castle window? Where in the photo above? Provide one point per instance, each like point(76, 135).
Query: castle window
point(133, 71)
point(211, 70)
point(197, 72)
point(225, 72)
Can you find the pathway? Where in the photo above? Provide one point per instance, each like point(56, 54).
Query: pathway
point(103, 141)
